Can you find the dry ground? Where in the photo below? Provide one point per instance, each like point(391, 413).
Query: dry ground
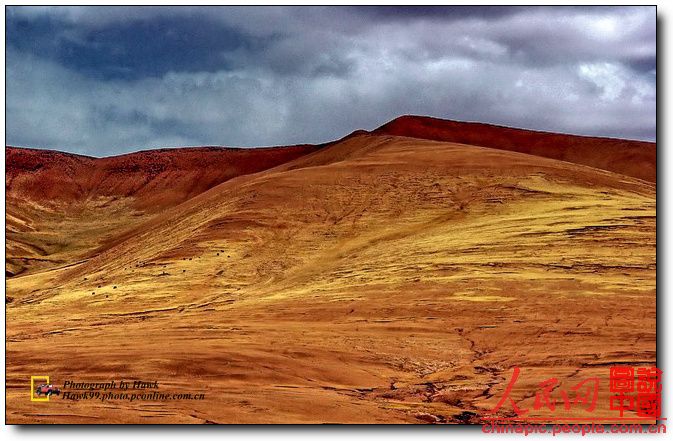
point(379, 280)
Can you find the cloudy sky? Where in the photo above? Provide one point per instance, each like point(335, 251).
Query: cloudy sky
point(103, 81)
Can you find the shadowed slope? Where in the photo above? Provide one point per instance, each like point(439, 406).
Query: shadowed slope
point(156, 179)
point(632, 158)
point(62, 205)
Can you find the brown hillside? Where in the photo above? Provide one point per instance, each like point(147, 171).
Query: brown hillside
point(61, 205)
point(380, 279)
point(632, 158)
point(154, 178)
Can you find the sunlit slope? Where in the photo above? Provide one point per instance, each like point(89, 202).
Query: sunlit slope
point(406, 209)
point(381, 279)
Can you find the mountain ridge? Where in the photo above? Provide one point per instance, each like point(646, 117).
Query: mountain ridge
point(632, 158)
point(381, 278)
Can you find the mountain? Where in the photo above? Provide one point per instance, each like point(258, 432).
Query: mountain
point(379, 278)
point(631, 158)
point(113, 193)
point(155, 179)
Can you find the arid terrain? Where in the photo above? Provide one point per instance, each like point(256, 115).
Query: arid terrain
point(394, 276)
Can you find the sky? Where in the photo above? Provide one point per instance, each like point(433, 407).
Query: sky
point(108, 80)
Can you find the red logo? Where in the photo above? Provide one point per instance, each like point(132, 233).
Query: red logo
point(632, 389)
point(636, 390)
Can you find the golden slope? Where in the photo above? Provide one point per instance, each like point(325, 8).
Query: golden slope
point(381, 279)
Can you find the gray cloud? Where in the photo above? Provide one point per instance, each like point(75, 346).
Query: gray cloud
point(269, 76)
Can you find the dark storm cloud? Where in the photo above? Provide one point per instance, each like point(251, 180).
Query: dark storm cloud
point(644, 63)
point(107, 80)
point(131, 50)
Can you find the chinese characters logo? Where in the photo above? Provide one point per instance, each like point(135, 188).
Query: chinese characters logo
point(632, 389)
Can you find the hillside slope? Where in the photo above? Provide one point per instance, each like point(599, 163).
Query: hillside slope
point(154, 178)
point(103, 197)
point(380, 279)
point(632, 158)
point(62, 206)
